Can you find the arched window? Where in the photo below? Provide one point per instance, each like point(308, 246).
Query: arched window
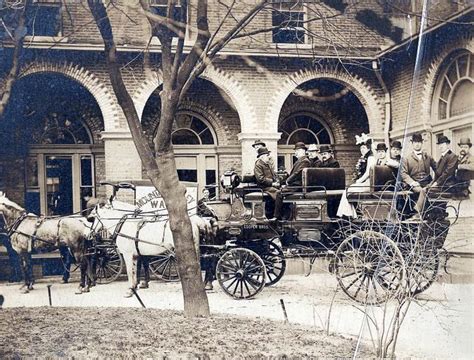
point(60, 130)
point(306, 128)
point(456, 88)
point(190, 129)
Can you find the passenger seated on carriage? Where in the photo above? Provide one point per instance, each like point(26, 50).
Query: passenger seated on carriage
point(327, 158)
point(294, 180)
point(201, 208)
point(444, 180)
point(362, 184)
point(365, 144)
point(267, 180)
point(465, 166)
point(313, 155)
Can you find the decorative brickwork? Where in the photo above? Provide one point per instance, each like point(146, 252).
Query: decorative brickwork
point(104, 97)
point(367, 96)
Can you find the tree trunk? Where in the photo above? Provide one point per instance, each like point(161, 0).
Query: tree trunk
point(161, 171)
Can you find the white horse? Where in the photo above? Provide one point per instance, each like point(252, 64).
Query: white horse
point(30, 232)
point(138, 234)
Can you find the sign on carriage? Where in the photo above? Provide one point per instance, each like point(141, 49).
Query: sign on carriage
point(150, 199)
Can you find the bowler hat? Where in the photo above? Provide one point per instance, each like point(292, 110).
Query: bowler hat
point(417, 138)
point(465, 141)
point(300, 145)
point(396, 144)
point(443, 139)
point(313, 147)
point(381, 146)
point(325, 148)
point(258, 142)
point(262, 151)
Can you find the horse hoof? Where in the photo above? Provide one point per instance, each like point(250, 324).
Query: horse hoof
point(79, 291)
point(25, 291)
point(128, 294)
point(85, 289)
point(30, 287)
point(208, 286)
point(143, 285)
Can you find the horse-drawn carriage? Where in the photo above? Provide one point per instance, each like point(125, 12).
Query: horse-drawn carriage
point(374, 257)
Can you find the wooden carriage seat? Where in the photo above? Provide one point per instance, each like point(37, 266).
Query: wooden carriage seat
point(318, 183)
point(382, 186)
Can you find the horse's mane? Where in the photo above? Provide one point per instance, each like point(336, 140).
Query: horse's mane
point(7, 202)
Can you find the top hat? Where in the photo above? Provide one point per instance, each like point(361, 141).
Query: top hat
point(313, 147)
point(300, 145)
point(443, 139)
point(465, 141)
point(325, 148)
point(381, 146)
point(262, 151)
point(417, 138)
point(258, 142)
point(396, 144)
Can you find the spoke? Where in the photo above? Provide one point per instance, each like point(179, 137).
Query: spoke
point(360, 286)
point(353, 282)
point(246, 286)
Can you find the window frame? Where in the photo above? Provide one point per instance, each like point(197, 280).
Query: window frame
point(187, 37)
point(304, 10)
point(48, 38)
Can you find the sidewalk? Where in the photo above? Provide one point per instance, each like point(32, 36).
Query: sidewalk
point(442, 326)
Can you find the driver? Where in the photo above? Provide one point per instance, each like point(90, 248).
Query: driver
point(267, 180)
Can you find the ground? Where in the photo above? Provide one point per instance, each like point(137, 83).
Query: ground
point(147, 333)
point(439, 325)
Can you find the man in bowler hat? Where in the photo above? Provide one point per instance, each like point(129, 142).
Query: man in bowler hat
point(303, 162)
point(267, 180)
point(466, 160)
point(327, 158)
point(445, 171)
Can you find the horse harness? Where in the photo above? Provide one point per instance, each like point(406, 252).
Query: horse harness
point(135, 238)
point(32, 237)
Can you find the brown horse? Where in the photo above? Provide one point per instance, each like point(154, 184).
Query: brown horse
point(30, 232)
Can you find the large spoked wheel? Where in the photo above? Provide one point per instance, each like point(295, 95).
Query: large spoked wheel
point(369, 267)
point(241, 273)
point(165, 266)
point(422, 270)
point(109, 264)
point(275, 263)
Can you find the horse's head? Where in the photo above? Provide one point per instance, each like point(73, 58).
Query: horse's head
point(10, 210)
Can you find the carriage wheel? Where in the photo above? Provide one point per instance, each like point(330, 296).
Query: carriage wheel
point(422, 271)
point(241, 273)
point(109, 264)
point(275, 263)
point(165, 266)
point(369, 267)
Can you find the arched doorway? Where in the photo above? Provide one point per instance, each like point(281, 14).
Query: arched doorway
point(194, 142)
point(55, 123)
point(322, 111)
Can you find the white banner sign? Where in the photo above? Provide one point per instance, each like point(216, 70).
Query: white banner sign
point(149, 199)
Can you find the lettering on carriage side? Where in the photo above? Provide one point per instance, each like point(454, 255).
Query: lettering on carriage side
point(149, 199)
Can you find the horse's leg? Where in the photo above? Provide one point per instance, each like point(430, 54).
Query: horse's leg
point(131, 264)
point(24, 272)
point(143, 263)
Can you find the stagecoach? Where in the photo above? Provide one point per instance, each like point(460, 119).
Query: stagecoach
point(377, 256)
point(374, 257)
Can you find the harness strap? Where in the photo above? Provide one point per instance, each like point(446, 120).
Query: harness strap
point(57, 235)
point(139, 227)
point(164, 230)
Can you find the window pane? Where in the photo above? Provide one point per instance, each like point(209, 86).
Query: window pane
point(185, 137)
point(452, 73)
point(86, 171)
point(32, 172)
point(323, 137)
point(288, 36)
point(471, 67)
point(187, 175)
point(43, 20)
point(462, 63)
point(197, 125)
point(445, 90)
point(302, 135)
point(206, 137)
point(461, 102)
point(211, 180)
point(442, 110)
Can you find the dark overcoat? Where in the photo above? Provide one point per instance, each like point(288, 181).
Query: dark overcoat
point(414, 169)
point(446, 169)
point(265, 177)
point(295, 176)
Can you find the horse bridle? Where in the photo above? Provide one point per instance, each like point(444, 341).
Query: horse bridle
point(16, 223)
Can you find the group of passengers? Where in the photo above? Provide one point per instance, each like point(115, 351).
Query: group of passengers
point(413, 169)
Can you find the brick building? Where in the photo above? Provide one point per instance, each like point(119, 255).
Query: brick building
point(358, 71)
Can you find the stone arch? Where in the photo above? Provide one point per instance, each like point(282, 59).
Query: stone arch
point(220, 78)
point(435, 68)
point(339, 129)
point(362, 90)
point(104, 97)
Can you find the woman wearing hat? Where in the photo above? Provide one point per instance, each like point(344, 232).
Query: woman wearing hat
point(362, 184)
point(365, 144)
